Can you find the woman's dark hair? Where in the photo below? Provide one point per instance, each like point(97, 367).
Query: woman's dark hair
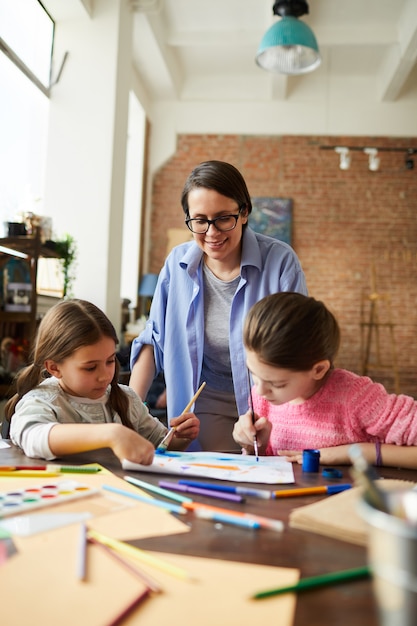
point(223, 178)
point(291, 331)
point(67, 326)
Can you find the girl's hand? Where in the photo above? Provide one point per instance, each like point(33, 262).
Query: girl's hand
point(335, 455)
point(187, 428)
point(293, 456)
point(128, 444)
point(245, 430)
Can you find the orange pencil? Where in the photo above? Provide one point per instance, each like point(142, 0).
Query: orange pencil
point(306, 491)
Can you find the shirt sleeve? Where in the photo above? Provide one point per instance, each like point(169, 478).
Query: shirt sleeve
point(154, 331)
point(388, 417)
point(30, 427)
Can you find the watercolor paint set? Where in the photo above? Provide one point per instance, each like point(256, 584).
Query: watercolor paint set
point(25, 500)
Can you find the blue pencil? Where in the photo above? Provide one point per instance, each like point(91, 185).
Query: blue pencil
point(165, 493)
point(173, 508)
point(214, 516)
point(244, 491)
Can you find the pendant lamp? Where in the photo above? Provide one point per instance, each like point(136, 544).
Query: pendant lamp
point(289, 46)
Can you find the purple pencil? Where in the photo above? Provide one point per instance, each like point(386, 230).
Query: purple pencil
point(210, 493)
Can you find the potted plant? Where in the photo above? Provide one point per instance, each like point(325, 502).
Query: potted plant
point(67, 251)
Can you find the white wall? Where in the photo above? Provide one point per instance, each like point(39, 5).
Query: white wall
point(85, 172)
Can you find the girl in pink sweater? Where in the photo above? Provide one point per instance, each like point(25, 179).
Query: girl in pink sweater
point(301, 401)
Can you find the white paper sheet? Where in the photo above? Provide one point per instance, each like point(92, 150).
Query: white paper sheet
point(271, 470)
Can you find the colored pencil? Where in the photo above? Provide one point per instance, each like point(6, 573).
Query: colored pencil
point(306, 491)
point(167, 439)
point(210, 493)
point(265, 522)
point(82, 553)
point(172, 508)
point(153, 586)
point(28, 474)
point(227, 519)
point(165, 493)
point(316, 581)
point(126, 611)
point(141, 555)
point(244, 491)
point(68, 469)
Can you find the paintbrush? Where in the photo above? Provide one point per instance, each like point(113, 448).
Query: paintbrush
point(255, 440)
point(368, 478)
point(163, 446)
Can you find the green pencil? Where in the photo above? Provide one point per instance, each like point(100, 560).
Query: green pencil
point(317, 581)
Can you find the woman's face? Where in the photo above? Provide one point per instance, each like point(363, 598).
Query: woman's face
point(208, 204)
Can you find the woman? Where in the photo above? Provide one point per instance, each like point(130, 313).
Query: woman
point(204, 291)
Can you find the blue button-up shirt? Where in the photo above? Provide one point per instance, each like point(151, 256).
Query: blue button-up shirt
point(175, 327)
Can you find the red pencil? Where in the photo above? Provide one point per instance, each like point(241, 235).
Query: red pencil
point(11, 468)
point(119, 618)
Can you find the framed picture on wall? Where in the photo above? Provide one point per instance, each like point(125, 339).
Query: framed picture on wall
point(273, 217)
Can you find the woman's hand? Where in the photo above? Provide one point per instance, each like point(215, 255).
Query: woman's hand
point(245, 430)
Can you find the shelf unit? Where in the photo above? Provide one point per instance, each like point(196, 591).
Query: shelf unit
point(19, 324)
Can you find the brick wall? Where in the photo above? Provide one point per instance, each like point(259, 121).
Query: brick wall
point(344, 223)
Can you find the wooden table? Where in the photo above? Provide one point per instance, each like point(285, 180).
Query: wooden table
point(312, 554)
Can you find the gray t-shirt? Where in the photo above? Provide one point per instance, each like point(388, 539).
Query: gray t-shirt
point(218, 296)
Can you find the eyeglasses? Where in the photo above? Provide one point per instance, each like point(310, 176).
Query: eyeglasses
point(200, 226)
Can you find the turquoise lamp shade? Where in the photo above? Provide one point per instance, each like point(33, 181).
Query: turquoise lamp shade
point(147, 285)
point(289, 47)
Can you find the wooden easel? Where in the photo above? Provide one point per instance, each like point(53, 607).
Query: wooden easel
point(370, 332)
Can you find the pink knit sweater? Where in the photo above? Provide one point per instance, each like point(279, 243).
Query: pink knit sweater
point(347, 409)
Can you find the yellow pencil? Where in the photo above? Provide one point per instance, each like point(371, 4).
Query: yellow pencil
point(29, 474)
point(141, 555)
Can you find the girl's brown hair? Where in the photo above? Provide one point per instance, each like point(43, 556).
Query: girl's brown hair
point(291, 331)
point(66, 327)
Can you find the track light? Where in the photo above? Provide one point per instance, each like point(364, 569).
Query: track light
point(373, 158)
point(344, 157)
point(289, 46)
point(409, 162)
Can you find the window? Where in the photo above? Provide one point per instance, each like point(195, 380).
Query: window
point(26, 42)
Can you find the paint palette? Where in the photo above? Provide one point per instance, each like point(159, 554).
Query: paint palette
point(35, 497)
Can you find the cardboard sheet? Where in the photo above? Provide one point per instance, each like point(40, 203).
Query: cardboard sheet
point(42, 588)
point(41, 584)
point(337, 516)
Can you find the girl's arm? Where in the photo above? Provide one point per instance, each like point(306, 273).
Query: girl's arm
point(390, 455)
point(143, 372)
point(125, 443)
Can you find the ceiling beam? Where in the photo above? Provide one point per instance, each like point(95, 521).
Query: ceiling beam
point(401, 57)
point(167, 55)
